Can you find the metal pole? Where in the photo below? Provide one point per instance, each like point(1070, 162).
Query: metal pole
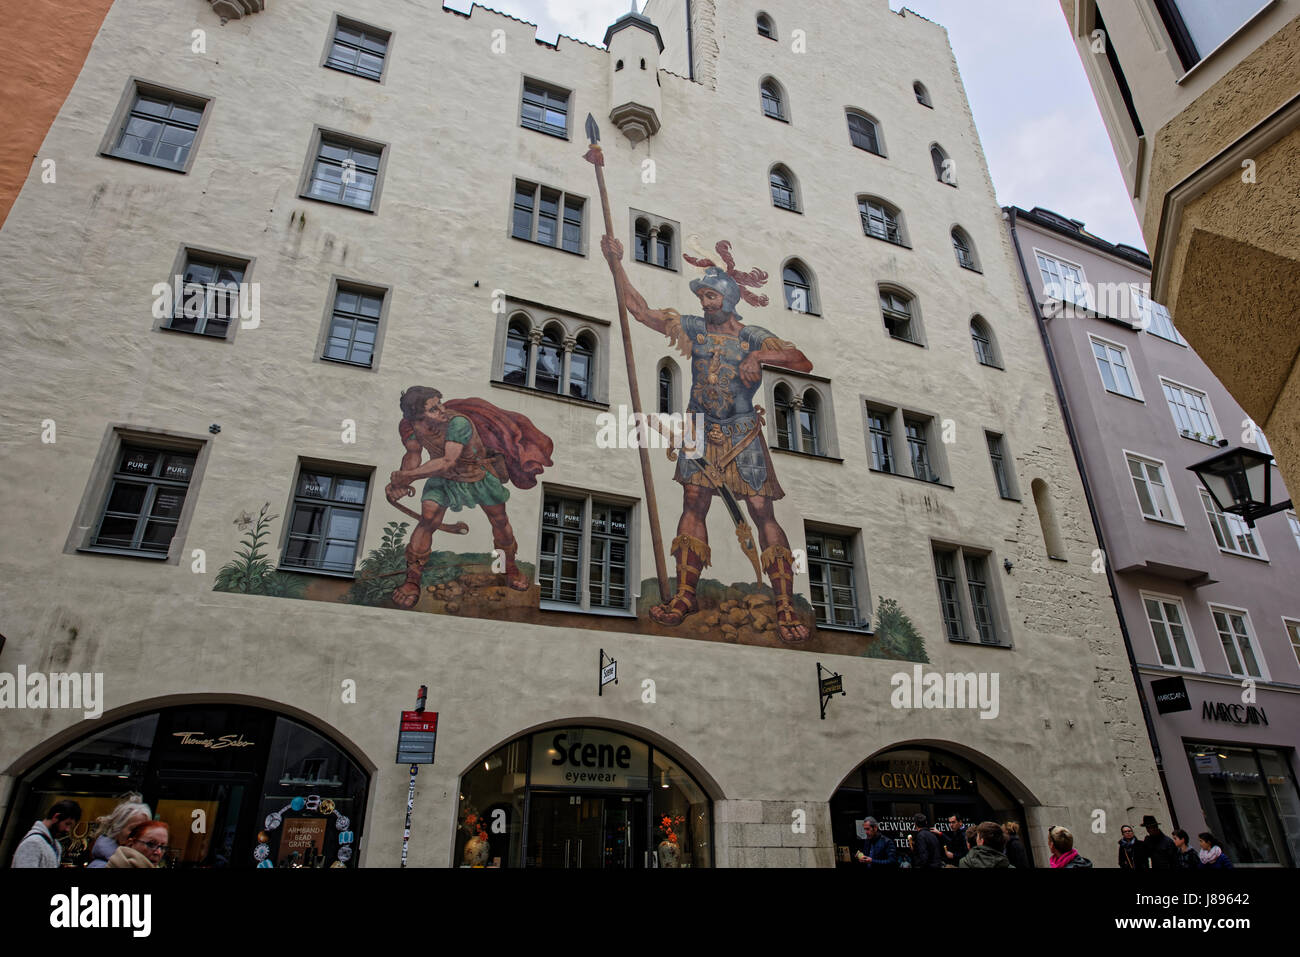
point(410, 804)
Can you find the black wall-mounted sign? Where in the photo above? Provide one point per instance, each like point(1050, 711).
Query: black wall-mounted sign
point(832, 684)
point(1171, 695)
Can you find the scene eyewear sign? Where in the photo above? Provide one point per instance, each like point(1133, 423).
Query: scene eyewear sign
point(416, 737)
point(1171, 695)
point(589, 758)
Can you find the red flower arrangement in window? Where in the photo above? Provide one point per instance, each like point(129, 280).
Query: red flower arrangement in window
point(668, 826)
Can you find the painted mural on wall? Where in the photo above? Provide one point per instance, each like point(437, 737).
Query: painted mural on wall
point(461, 455)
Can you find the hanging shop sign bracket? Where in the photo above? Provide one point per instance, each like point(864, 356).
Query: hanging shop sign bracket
point(828, 686)
point(608, 672)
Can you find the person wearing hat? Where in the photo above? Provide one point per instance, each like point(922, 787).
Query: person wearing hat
point(1158, 851)
point(727, 358)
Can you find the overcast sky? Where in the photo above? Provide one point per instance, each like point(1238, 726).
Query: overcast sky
point(1037, 118)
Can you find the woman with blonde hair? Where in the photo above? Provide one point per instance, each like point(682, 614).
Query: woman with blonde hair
point(1015, 848)
point(113, 826)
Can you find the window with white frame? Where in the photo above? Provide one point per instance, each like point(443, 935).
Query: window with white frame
point(882, 443)
point(1199, 27)
point(1151, 484)
point(1191, 411)
point(1174, 643)
point(1233, 626)
point(324, 529)
point(1260, 441)
point(358, 49)
point(1063, 281)
point(1231, 531)
point(1294, 521)
point(918, 452)
point(966, 599)
point(547, 216)
point(585, 552)
point(1293, 632)
point(1115, 368)
point(833, 585)
point(804, 420)
point(1154, 318)
point(545, 109)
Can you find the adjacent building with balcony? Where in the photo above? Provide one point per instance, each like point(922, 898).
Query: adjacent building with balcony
point(1209, 603)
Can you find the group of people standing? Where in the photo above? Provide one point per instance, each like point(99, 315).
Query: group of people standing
point(127, 836)
point(987, 844)
point(1160, 852)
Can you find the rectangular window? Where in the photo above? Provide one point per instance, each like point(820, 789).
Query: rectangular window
point(354, 326)
point(1260, 442)
point(144, 501)
point(1238, 645)
point(345, 172)
point(585, 549)
point(1191, 411)
point(1126, 94)
point(1063, 281)
point(210, 296)
point(1199, 27)
point(358, 49)
point(1293, 632)
point(325, 524)
point(1231, 531)
point(1173, 643)
point(1155, 318)
point(831, 579)
point(159, 128)
point(1113, 364)
point(1294, 521)
point(1152, 488)
point(918, 450)
point(547, 216)
point(882, 452)
point(999, 464)
point(966, 597)
point(545, 109)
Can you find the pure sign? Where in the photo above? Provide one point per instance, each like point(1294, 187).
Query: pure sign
point(416, 737)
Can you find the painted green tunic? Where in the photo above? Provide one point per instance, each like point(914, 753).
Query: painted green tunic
point(486, 489)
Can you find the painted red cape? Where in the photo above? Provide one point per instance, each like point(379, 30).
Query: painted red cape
point(524, 448)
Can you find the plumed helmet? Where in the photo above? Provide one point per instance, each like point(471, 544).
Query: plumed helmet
point(717, 280)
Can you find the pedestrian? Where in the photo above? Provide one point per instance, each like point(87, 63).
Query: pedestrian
point(987, 852)
point(954, 841)
point(1128, 849)
point(1188, 859)
point(1158, 852)
point(144, 846)
point(1211, 854)
point(877, 850)
point(926, 849)
point(1061, 843)
point(972, 834)
point(40, 846)
point(113, 826)
point(1015, 848)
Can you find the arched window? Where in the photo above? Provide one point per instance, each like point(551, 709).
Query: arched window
point(667, 397)
point(864, 133)
point(943, 166)
point(808, 425)
point(899, 311)
point(643, 63)
point(982, 336)
point(518, 345)
point(964, 249)
point(618, 66)
point(773, 101)
point(642, 252)
point(784, 417)
point(550, 362)
point(783, 194)
point(580, 367)
point(664, 247)
point(797, 279)
point(922, 94)
point(765, 27)
point(881, 220)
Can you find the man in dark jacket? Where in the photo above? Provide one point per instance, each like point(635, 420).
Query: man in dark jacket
point(954, 841)
point(926, 850)
point(1158, 851)
point(987, 852)
point(1129, 851)
point(877, 849)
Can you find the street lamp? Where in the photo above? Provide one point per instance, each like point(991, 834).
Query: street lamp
point(1241, 482)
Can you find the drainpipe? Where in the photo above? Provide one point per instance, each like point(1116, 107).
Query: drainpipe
point(690, 43)
point(1092, 511)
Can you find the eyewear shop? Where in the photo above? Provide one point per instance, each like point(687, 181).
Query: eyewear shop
point(582, 797)
point(237, 786)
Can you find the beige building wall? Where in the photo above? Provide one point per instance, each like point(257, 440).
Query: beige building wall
point(1069, 737)
point(1213, 182)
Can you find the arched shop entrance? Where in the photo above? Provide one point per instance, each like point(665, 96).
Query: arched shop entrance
point(238, 786)
point(582, 797)
point(894, 785)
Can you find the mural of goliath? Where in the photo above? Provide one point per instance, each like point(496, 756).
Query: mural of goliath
point(474, 450)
